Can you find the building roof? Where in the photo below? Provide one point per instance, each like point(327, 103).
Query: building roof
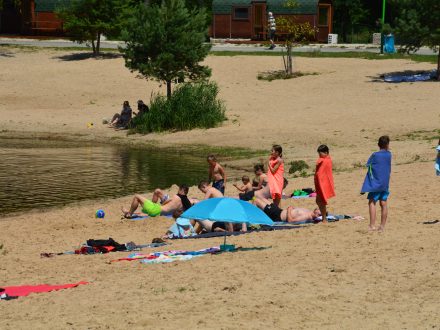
point(49, 5)
point(275, 6)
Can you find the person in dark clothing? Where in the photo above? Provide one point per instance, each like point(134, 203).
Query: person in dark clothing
point(123, 119)
point(142, 108)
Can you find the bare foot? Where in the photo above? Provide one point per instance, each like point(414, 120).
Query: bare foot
point(371, 228)
point(126, 213)
point(325, 221)
point(381, 229)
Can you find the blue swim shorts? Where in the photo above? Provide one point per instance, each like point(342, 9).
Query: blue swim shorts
point(378, 195)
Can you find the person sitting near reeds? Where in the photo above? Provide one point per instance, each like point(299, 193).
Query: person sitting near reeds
point(123, 119)
point(142, 109)
point(179, 201)
point(291, 214)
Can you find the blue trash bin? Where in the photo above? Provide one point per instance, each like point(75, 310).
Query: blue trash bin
point(389, 44)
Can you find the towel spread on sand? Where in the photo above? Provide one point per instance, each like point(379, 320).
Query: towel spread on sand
point(378, 174)
point(324, 185)
point(276, 180)
point(168, 256)
point(24, 290)
point(437, 162)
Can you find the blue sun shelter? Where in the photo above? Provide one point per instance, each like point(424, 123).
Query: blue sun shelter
point(227, 210)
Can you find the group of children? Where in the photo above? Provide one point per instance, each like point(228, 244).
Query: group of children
point(270, 185)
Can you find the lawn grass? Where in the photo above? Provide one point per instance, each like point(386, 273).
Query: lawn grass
point(347, 54)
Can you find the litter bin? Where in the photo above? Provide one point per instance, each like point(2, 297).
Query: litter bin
point(389, 44)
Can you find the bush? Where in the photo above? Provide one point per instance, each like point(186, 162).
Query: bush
point(298, 166)
point(192, 105)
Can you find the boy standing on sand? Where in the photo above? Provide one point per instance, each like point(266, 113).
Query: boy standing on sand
point(324, 185)
point(377, 182)
point(216, 174)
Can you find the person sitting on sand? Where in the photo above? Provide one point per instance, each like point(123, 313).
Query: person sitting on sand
point(123, 119)
point(179, 201)
point(209, 191)
point(246, 187)
point(142, 108)
point(260, 180)
point(291, 214)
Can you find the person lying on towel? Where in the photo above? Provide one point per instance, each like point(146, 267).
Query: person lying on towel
point(158, 206)
point(291, 214)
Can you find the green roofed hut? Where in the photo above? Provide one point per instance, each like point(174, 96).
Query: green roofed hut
point(248, 19)
point(32, 17)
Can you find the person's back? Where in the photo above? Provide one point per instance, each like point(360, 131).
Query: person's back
point(377, 182)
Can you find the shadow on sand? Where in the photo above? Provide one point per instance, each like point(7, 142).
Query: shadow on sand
point(88, 55)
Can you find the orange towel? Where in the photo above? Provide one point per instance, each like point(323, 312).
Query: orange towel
point(276, 180)
point(324, 185)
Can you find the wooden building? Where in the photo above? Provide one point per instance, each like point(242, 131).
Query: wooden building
point(33, 17)
point(248, 19)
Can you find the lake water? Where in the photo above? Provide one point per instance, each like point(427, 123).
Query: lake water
point(40, 174)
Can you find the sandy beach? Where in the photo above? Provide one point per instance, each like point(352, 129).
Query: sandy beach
point(335, 276)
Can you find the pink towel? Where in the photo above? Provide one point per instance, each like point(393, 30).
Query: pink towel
point(24, 290)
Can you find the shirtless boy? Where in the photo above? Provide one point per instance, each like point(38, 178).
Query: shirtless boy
point(291, 214)
point(216, 174)
point(210, 192)
point(179, 201)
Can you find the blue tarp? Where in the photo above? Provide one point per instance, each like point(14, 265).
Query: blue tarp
point(410, 77)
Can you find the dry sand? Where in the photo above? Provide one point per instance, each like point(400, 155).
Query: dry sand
point(334, 276)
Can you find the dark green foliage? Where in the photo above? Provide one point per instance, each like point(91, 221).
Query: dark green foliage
point(298, 166)
point(349, 18)
point(192, 105)
point(88, 20)
point(166, 43)
point(418, 24)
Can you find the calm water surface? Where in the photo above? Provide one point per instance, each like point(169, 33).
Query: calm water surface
point(41, 174)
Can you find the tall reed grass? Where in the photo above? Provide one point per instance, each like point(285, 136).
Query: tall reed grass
point(192, 105)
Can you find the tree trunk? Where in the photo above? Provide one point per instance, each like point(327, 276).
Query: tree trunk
point(168, 88)
point(93, 47)
point(289, 59)
point(98, 43)
point(438, 64)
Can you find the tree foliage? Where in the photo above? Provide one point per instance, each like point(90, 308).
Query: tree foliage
point(349, 17)
point(418, 24)
point(87, 20)
point(166, 42)
point(295, 33)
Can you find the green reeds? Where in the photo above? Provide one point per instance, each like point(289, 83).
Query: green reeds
point(192, 105)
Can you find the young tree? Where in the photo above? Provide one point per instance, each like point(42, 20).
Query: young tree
point(418, 25)
point(296, 33)
point(88, 20)
point(166, 42)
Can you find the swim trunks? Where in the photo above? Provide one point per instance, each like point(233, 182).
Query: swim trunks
point(378, 195)
point(273, 212)
point(219, 185)
point(247, 196)
point(218, 224)
point(150, 208)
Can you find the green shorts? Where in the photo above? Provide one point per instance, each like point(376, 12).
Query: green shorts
point(150, 208)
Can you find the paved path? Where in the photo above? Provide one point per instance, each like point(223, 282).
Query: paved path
point(218, 47)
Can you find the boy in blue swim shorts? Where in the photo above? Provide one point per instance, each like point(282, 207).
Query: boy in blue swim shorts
point(377, 182)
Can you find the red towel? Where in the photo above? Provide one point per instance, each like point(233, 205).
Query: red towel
point(24, 290)
point(324, 185)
